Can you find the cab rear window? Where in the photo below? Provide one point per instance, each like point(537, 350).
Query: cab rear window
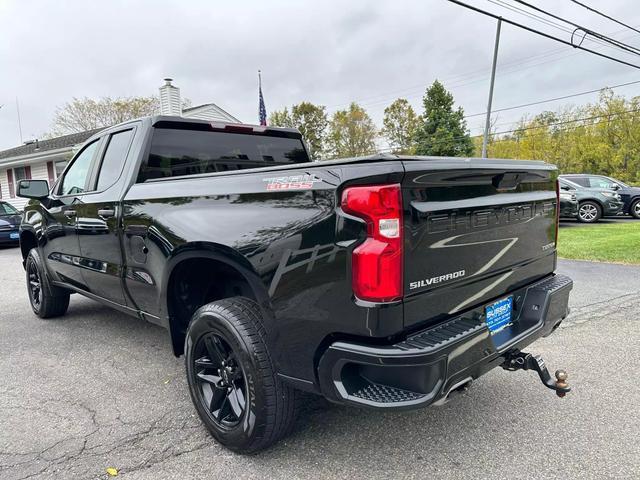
point(179, 152)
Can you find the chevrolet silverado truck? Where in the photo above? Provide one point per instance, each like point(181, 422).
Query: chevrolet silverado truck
point(387, 282)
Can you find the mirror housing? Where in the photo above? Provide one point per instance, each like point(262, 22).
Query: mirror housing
point(37, 189)
point(615, 187)
point(565, 187)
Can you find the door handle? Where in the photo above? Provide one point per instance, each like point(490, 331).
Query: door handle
point(70, 213)
point(106, 213)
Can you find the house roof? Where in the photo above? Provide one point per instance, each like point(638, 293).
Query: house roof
point(219, 112)
point(49, 144)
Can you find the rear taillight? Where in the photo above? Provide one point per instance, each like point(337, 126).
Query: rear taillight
point(557, 209)
point(377, 262)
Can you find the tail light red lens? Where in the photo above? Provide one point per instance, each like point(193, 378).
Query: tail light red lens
point(377, 262)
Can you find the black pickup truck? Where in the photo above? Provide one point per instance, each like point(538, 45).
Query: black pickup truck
point(386, 282)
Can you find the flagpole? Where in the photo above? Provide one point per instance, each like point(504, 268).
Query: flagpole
point(262, 111)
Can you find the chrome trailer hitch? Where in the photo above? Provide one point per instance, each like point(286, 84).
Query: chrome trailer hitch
point(517, 360)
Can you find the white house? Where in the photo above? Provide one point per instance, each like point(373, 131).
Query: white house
point(46, 159)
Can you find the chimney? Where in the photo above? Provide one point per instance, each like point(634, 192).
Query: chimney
point(170, 99)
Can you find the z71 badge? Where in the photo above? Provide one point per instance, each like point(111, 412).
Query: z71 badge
point(293, 182)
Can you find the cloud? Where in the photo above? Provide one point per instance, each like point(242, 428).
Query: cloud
point(327, 52)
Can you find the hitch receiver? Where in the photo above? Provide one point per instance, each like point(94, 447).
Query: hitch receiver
point(517, 360)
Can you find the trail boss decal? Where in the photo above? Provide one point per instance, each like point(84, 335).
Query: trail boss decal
point(433, 280)
point(293, 182)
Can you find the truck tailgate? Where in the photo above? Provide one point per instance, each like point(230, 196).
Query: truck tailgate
point(474, 231)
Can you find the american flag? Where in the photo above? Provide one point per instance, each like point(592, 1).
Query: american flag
point(262, 110)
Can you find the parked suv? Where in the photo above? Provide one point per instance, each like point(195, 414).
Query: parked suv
point(593, 203)
point(630, 195)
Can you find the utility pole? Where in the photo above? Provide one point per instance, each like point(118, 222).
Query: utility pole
point(487, 124)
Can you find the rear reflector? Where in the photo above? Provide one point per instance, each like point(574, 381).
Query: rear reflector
point(377, 262)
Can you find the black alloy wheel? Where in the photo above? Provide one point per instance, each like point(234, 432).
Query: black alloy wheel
point(232, 380)
point(34, 286)
point(46, 300)
point(221, 381)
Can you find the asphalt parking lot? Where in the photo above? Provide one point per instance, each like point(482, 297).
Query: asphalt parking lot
point(97, 389)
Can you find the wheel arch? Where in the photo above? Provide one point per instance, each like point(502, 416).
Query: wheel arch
point(188, 263)
point(28, 241)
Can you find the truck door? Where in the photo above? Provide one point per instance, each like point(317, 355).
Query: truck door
point(98, 220)
point(61, 247)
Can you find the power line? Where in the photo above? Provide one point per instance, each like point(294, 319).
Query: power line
point(479, 74)
point(542, 34)
point(540, 19)
point(564, 97)
point(607, 39)
point(597, 12)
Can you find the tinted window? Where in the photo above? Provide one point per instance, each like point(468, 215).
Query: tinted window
point(7, 209)
point(76, 177)
point(187, 152)
point(114, 158)
point(566, 185)
point(580, 181)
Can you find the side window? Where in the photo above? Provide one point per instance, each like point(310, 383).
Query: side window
point(580, 181)
point(114, 158)
point(600, 182)
point(58, 167)
point(75, 179)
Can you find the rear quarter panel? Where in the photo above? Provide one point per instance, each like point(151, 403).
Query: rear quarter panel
point(288, 241)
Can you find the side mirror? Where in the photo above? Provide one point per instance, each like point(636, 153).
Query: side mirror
point(615, 186)
point(565, 187)
point(37, 189)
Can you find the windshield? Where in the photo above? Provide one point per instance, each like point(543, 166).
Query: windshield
point(622, 184)
point(7, 209)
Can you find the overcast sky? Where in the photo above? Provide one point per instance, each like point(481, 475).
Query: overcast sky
point(326, 52)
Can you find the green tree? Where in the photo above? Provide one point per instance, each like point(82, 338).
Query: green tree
point(600, 138)
point(351, 133)
point(281, 118)
point(310, 119)
point(443, 130)
point(81, 114)
point(400, 122)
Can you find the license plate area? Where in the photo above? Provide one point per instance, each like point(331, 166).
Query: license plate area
point(499, 314)
point(14, 236)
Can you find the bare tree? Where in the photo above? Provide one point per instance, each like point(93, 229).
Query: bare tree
point(81, 114)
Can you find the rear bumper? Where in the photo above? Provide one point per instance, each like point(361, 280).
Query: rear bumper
point(6, 237)
point(429, 364)
point(568, 209)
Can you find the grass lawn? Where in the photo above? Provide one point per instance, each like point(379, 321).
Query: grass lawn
point(617, 242)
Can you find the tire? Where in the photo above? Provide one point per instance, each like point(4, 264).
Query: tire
point(232, 380)
point(46, 300)
point(634, 209)
point(589, 212)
